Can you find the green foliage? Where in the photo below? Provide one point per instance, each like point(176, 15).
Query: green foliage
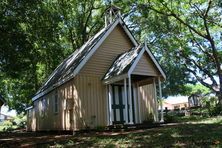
point(213, 108)
point(186, 39)
point(17, 122)
point(215, 111)
point(35, 37)
point(191, 118)
point(196, 89)
point(149, 119)
point(210, 107)
point(100, 128)
point(7, 125)
point(20, 120)
point(177, 77)
point(168, 118)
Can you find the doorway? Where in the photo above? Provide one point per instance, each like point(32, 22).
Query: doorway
point(119, 105)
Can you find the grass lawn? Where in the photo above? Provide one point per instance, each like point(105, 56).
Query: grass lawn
point(201, 133)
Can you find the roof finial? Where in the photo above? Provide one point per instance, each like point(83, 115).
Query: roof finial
point(145, 42)
point(111, 13)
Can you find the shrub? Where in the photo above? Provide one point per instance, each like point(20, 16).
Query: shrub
point(169, 118)
point(20, 120)
point(100, 128)
point(149, 119)
point(217, 110)
point(17, 122)
point(7, 125)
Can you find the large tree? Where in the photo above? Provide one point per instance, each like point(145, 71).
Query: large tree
point(189, 32)
point(35, 37)
point(154, 28)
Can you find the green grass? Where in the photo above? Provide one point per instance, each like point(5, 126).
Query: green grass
point(195, 132)
point(192, 118)
point(201, 133)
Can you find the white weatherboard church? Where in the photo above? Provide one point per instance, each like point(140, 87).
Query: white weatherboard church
point(111, 79)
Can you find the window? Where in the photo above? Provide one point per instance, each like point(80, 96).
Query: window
point(43, 107)
point(56, 104)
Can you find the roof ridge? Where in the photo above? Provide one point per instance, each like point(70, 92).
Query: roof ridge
point(71, 65)
point(74, 56)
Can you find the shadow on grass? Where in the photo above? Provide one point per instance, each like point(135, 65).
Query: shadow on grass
point(185, 135)
point(181, 135)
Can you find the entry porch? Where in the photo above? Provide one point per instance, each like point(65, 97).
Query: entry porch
point(133, 99)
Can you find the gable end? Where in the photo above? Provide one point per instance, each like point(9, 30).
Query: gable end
point(145, 66)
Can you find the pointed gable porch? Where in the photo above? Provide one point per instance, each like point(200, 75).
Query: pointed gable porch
point(131, 82)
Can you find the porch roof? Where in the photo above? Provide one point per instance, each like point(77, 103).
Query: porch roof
point(126, 62)
point(123, 63)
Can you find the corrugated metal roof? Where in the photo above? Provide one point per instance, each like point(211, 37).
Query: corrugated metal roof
point(123, 63)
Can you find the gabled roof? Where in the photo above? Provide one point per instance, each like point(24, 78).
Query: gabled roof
point(126, 63)
point(67, 67)
point(155, 62)
point(122, 63)
point(73, 64)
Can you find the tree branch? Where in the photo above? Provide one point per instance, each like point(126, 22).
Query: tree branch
point(177, 18)
point(71, 39)
point(208, 8)
point(205, 71)
point(200, 79)
point(210, 39)
point(200, 12)
point(200, 46)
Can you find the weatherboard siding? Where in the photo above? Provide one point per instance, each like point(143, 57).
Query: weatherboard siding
point(31, 120)
point(147, 101)
point(116, 43)
point(145, 66)
point(88, 93)
point(89, 106)
point(86, 90)
point(46, 119)
point(92, 97)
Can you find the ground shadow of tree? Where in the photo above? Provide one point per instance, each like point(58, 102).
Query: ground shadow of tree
point(186, 135)
point(180, 135)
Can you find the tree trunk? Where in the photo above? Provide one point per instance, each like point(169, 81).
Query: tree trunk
point(219, 99)
point(219, 94)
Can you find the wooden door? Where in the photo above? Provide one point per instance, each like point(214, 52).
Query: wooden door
point(118, 104)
